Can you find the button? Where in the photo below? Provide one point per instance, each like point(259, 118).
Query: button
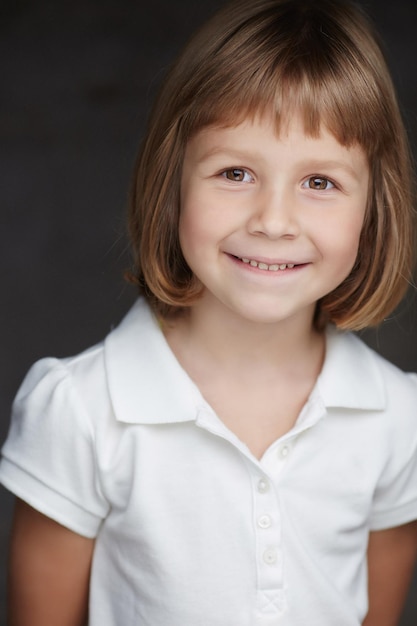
point(263, 485)
point(284, 452)
point(264, 521)
point(270, 556)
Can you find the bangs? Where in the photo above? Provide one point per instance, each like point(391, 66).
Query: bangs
point(316, 102)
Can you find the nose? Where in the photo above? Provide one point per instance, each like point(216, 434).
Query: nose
point(274, 214)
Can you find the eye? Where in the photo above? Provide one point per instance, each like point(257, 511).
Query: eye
point(237, 175)
point(319, 183)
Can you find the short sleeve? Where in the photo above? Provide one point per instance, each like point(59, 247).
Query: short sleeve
point(48, 459)
point(395, 498)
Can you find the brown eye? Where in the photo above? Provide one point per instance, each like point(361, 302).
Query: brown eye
point(318, 183)
point(237, 175)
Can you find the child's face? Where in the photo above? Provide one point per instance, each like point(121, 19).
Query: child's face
point(271, 224)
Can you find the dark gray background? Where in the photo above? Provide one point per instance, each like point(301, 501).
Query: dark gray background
point(77, 80)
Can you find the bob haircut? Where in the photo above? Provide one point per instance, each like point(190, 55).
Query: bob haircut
point(321, 59)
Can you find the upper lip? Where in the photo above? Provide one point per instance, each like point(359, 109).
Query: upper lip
point(267, 260)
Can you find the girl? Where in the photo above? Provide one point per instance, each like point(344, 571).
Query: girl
point(230, 455)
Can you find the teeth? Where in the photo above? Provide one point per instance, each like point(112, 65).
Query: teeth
point(263, 266)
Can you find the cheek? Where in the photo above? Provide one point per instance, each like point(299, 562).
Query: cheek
point(198, 223)
point(340, 240)
point(192, 231)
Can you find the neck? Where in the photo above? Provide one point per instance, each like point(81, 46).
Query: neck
point(227, 341)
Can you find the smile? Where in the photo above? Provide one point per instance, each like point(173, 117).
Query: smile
point(275, 267)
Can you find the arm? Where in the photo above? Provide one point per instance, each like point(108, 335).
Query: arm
point(391, 558)
point(49, 571)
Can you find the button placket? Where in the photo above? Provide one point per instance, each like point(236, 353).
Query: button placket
point(268, 545)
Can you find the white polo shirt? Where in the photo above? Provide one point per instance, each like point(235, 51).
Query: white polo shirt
point(192, 530)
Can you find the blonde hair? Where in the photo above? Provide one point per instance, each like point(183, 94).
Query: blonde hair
point(321, 59)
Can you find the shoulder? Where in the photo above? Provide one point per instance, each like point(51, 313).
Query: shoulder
point(62, 381)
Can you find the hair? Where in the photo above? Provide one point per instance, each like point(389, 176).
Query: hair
point(321, 59)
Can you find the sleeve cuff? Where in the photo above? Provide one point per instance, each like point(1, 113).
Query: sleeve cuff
point(396, 517)
point(47, 501)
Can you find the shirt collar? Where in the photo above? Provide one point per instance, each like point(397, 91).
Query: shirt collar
point(350, 377)
point(147, 385)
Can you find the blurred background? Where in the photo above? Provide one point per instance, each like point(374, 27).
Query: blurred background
point(77, 81)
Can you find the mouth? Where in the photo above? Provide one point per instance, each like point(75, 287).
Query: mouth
point(274, 267)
